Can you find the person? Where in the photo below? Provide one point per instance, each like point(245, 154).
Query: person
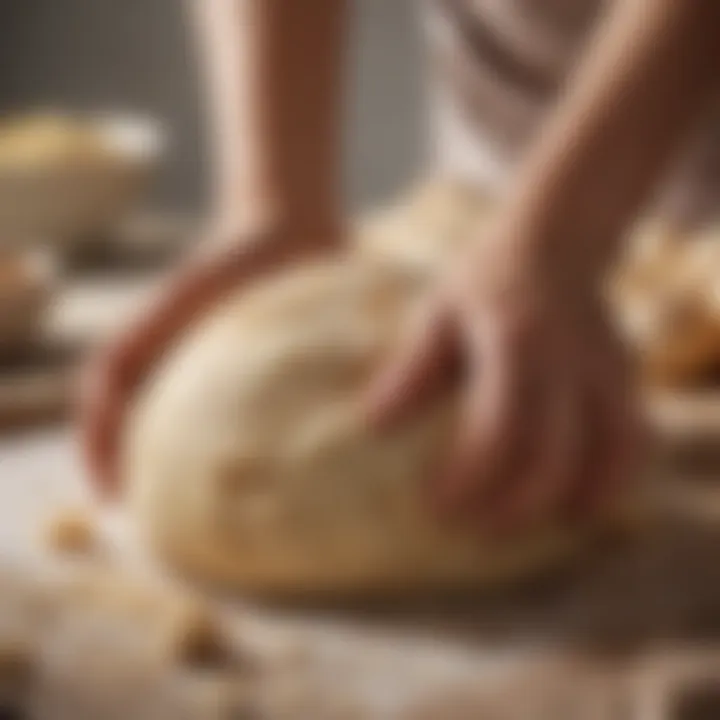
point(586, 106)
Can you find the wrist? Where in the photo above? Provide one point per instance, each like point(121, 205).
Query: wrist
point(300, 223)
point(571, 250)
point(516, 254)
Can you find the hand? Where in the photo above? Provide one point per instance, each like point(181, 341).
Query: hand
point(117, 371)
point(548, 423)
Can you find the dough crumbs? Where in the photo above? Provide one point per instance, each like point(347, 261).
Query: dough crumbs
point(17, 664)
point(72, 532)
point(196, 639)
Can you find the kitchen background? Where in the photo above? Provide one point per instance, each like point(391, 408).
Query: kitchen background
point(138, 55)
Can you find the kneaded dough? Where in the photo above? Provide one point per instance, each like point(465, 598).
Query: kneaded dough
point(667, 303)
point(249, 462)
point(427, 226)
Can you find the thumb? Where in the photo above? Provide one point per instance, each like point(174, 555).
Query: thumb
point(418, 369)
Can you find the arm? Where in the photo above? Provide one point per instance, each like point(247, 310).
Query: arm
point(647, 75)
point(273, 81)
point(549, 422)
point(273, 75)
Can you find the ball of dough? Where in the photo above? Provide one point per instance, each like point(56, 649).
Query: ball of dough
point(665, 297)
point(676, 334)
point(249, 462)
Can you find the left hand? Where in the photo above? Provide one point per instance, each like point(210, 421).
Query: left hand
point(115, 374)
point(549, 425)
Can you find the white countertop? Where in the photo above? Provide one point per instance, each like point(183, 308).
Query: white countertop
point(39, 473)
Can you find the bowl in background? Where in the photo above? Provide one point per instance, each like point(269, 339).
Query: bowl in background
point(66, 181)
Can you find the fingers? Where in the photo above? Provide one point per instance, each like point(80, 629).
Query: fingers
point(112, 380)
point(615, 434)
point(525, 458)
point(590, 446)
point(614, 447)
point(421, 367)
point(490, 421)
point(540, 487)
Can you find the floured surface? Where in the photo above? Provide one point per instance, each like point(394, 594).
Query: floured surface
point(432, 662)
point(80, 656)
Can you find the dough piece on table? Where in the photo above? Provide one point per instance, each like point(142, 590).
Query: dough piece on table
point(72, 532)
point(667, 303)
point(676, 334)
point(249, 463)
point(195, 638)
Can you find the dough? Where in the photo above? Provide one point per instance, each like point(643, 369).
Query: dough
point(667, 304)
point(427, 226)
point(73, 532)
point(249, 463)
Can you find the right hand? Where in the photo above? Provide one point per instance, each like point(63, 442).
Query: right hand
point(550, 425)
point(116, 372)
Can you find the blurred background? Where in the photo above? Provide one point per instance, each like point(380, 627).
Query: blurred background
point(103, 182)
point(137, 56)
point(104, 169)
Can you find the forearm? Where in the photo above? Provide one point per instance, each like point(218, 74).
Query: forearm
point(273, 77)
point(645, 78)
